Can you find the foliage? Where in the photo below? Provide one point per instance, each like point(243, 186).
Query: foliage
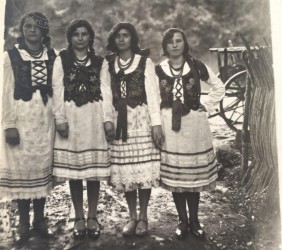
point(207, 23)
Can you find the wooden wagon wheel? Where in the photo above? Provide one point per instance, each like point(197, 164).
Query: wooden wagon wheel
point(232, 105)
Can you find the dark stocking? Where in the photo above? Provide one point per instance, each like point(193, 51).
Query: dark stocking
point(180, 204)
point(193, 199)
point(23, 230)
point(23, 207)
point(76, 189)
point(38, 207)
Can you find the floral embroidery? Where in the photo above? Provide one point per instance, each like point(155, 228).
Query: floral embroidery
point(71, 76)
point(192, 81)
point(165, 85)
point(82, 83)
point(93, 78)
point(189, 86)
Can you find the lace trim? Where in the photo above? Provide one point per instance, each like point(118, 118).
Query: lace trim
point(13, 194)
point(61, 180)
point(142, 175)
point(134, 186)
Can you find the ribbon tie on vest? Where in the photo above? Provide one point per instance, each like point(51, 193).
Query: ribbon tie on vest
point(121, 130)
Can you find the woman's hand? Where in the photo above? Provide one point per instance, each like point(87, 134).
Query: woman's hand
point(158, 136)
point(63, 129)
point(109, 131)
point(12, 136)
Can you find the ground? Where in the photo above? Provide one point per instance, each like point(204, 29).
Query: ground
point(231, 218)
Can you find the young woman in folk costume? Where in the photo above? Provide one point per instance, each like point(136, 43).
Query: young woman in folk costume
point(135, 160)
point(28, 123)
point(83, 111)
point(188, 160)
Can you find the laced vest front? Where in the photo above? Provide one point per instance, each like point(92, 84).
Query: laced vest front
point(24, 87)
point(135, 84)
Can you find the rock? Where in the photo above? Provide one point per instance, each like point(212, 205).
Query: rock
point(221, 189)
point(249, 243)
point(157, 238)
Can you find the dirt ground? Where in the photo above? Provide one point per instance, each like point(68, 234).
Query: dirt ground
point(230, 218)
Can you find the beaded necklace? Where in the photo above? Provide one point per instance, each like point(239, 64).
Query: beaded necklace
point(81, 62)
point(36, 54)
point(180, 69)
point(127, 65)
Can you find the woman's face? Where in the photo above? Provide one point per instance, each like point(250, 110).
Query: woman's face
point(31, 31)
point(175, 45)
point(123, 40)
point(80, 39)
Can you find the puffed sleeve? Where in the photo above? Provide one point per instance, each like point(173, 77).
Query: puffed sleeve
point(106, 90)
point(152, 92)
point(216, 91)
point(58, 92)
point(9, 118)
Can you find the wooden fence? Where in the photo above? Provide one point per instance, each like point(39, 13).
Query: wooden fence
point(262, 176)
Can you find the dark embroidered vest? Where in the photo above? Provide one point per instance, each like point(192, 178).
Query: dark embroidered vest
point(135, 84)
point(22, 74)
point(191, 88)
point(135, 93)
point(82, 83)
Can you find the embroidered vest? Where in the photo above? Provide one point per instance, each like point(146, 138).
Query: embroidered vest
point(82, 83)
point(22, 74)
point(191, 88)
point(135, 84)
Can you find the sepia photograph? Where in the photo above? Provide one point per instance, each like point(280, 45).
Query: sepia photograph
point(140, 124)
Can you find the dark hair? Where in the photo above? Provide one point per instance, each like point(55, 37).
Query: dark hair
point(168, 34)
point(78, 23)
point(41, 22)
point(133, 33)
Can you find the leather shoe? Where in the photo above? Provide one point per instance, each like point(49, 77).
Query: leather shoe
point(129, 228)
point(24, 233)
point(181, 230)
point(93, 228)
point(41, 227)
point(142, 228)
point(79, 234)
point(196, 229)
